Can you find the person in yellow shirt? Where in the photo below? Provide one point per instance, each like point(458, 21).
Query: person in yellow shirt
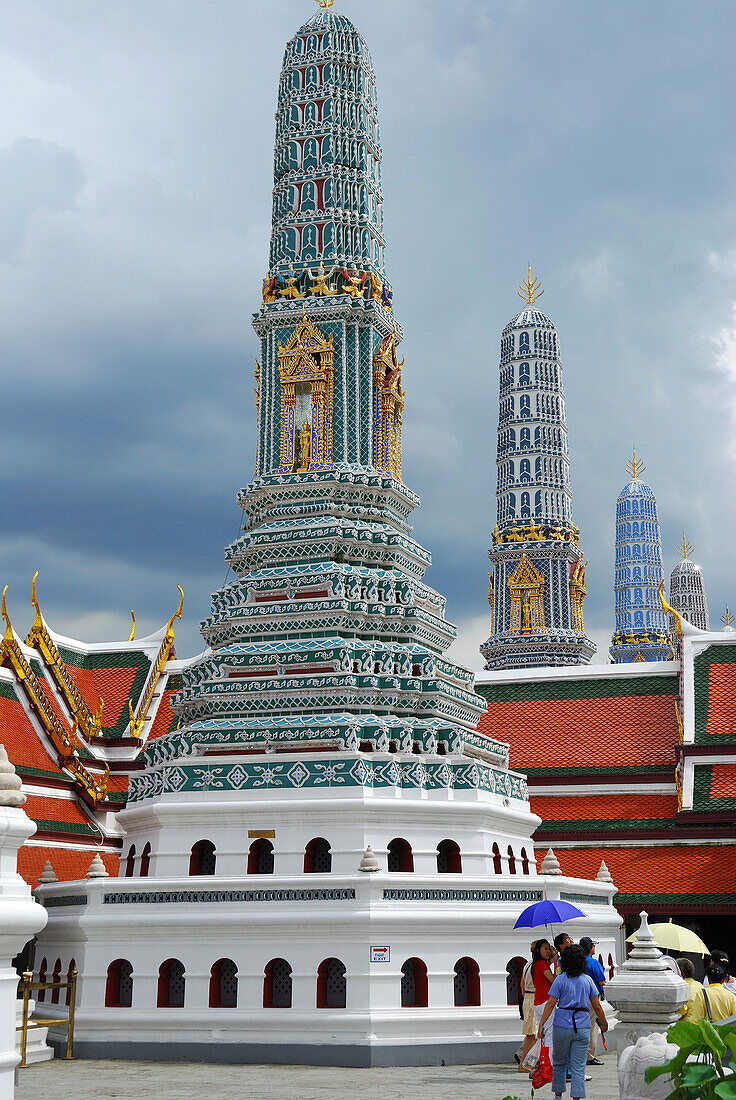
point(695, 1008)
point(719, 1003)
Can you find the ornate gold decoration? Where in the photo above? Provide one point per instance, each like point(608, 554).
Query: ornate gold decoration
point(640, 658)
point(578, 592)
point(670, 610)
point(388, 408)
point(685, 549)
point(325, 3)
point(307, 359)
point(39, 638)
point(491, 596)
point(635, 467)
point(257, 390)
point(291, 288)
point(138, 719)
point(321, 286)
point(727, 618)
point(530, 289)
point(680, 730)
point(63, 741)
point(526, 586)
point(131, 636)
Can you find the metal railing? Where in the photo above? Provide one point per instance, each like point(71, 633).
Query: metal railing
point(28, 985)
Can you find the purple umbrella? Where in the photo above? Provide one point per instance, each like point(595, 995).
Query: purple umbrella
point(547, 912)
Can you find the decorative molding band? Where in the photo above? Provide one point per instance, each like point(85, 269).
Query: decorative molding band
point(462, 895)
point(65, 899)
point(165, 897)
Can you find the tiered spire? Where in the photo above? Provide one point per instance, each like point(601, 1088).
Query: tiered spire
point(687, 588)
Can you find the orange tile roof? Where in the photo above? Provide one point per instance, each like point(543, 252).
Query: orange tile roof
point(723, 781)
point(45, 808)
point(585, 733)
point(695, 871)
point(611, 807)
point(721, 714)
point(68, 863)
point(23, 744)
point(165, 717)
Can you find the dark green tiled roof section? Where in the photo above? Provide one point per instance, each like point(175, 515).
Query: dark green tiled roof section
point(7, 691)
point(67, 827)
point(129, 659)
point(675, 901)
point(598, 687)
point(42, 773)
point(597, 825)
point(718, 726)
point(702, 800)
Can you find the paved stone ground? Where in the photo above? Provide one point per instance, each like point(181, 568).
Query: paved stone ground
point(99, 1080)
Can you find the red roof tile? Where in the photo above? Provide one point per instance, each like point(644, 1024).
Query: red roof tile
point(165, 717)
point(69, 864)
point(582, 733)
point(21, 741)
point(721, 699)
point(723, 781)
point(610, 807)
point(694, 871)
point(44, 808)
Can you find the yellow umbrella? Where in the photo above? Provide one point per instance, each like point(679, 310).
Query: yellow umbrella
point(673, 937)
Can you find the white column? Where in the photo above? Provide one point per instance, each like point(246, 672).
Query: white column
point(21, 917)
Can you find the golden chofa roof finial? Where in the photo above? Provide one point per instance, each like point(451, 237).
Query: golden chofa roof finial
point(530, 289)
point(635, 467)
point(325, 3)
point(685, 549)
point(728, 618)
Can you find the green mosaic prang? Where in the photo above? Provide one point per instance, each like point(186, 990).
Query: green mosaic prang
point(714, 655)
point(702, 800)
point(595, 688)
point(326, 773)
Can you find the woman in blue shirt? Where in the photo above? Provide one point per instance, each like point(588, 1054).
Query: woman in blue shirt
point(572, 993)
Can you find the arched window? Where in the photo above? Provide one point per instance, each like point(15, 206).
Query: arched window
point(414, 984)
point(171, 983)
point(512, 861)
point(525, 440)
point(524, 862)
point(538, 503)
point(260, 857)
point(119, 984)
point(332, 986)
point(449, 860)
point(56, 977)
point(130, 862)
point(514, 991)
point(523, 374)
point(526, 468)
point(317, 857)
point(42, 978)
point(277, 984)
point(525, 508)
point(202, 860)
point(68, 991)
point(525, 410)
point(467, 982)
point(523, 342)
point(497, 869)
point(224, 984)
point(400, 856)
point(611, 967)
point(145, 861)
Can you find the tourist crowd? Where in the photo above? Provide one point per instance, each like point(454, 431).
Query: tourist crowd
point(563, 985)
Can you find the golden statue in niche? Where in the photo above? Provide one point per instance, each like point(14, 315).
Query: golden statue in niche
point(526, 586)
point(305, 446)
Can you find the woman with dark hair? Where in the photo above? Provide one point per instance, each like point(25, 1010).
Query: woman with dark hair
point(544, 958)
point(570, 997)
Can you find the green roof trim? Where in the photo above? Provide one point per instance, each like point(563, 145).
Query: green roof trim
point(523, 691)
point(702, 798)
point(598, 824)
point(130, 659)
point(66, 827)
point(713, 655)
point(7, 691)
point(584, 769)
point(175, 682)
point(43, 773)
point(675, 899)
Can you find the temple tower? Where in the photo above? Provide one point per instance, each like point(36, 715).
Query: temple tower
point(687, 588)
point(641, 623)
point(538, 581)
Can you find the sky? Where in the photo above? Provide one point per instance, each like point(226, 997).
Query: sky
point(595, 141)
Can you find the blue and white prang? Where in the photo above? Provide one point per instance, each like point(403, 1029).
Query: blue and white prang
point(641, 623)
point(537, 586)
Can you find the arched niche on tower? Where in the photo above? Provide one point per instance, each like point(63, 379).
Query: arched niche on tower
point(388, 408)
point(306, 367)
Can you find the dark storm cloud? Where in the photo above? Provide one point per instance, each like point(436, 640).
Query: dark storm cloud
point(135, 172)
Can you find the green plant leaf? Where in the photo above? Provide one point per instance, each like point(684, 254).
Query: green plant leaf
point(697, 1073)
point(673, 1067)
point(712, 1039)
point(726, 1090)
point(686, 1034)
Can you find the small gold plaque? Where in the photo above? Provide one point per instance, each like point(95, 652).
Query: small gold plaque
point(261, 834)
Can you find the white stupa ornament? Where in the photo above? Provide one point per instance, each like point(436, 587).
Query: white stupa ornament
point(604, 875)
point(10, 784)
point(369, 861)
point(551, 864)
point(97, 868)
point(48, 874)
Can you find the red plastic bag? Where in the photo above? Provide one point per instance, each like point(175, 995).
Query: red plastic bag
point(543, 1069)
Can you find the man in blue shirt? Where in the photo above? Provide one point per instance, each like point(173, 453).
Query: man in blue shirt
point(598, 974)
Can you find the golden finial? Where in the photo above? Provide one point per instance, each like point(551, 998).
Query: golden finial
point(176, 615)
point(38, 621)
point(9, 637)
point(530, 289)
point(727, 618)
point(685, 549)
point(131, 636)
point(325, 3)
point(635, 467)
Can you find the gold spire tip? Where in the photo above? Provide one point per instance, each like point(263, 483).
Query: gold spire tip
point(325, 3)
point(635, 467)
point(685, 549)
point(131, 636)
point(530, 289)
point(728, 618)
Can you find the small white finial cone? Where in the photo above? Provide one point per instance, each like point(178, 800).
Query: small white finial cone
point(48, 874)
point(369, 861)
point(551, 864)
point(10, 792)
point(97, 868)
point(604, 875)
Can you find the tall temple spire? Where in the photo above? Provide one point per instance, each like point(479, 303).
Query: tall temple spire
point(687, 588)
point(538, 581)
point(641, 624)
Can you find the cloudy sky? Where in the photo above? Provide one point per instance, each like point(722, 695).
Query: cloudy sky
point(136, 137)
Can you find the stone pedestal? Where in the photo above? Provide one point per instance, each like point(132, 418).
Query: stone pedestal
point(647, 996)
point(21, 917)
